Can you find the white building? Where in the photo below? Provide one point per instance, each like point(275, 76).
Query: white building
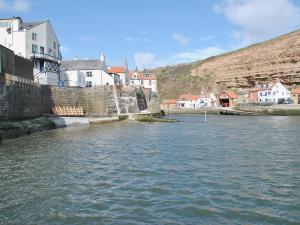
point(269, 92)
point(86, 73)
point(189, 101)
point(144, 79)
point(36, 41)
point(120, 71)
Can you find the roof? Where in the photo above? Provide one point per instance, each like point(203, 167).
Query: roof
point(188, 97)
point(29, 25)
point(92, 64)
point(296, 90)
point(115, 69)
point(230, 94)
point(169, 101)
point(142, 75)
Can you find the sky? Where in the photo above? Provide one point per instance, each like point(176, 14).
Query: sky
point(154, 33)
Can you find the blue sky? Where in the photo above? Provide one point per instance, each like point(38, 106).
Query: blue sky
point(152, 33)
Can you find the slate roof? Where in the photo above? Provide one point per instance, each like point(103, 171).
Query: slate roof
point(29, 25)
point(91, 64)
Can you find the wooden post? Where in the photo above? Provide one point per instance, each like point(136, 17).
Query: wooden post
point(204, 116)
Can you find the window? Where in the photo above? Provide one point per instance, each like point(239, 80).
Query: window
point(5, 24)
point(89, 74)
point(142, 82)
point(132, 82)
point(34, 35)
point(49, 51)
point(88, 84)
point(34, 48)
point(54, 44)
point(42, 50)
point(150, 82)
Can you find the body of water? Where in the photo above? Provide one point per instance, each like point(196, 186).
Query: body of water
point(230, 170)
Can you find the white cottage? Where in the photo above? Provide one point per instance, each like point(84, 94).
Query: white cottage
point(36, 41)
point(86, 73)
point(145, 79)
point(271, 92)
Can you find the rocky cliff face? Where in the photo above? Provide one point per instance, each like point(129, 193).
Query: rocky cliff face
point(276, 59)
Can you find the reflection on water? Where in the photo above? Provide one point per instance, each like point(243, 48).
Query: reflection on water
point(232, 170)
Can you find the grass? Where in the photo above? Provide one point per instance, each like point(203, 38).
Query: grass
point(151, 119)
point(123, 117)
point(282, 112)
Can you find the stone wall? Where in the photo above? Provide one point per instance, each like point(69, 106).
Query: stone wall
point(19, 102)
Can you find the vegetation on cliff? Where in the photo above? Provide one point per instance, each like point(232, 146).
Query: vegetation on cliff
point(278, 58)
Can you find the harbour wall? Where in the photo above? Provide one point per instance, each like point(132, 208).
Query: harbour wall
point(19, 101)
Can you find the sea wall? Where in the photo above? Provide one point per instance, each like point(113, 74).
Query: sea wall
point(20, 102)
point(26, 101)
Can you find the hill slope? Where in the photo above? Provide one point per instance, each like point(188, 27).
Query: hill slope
point(278, 58)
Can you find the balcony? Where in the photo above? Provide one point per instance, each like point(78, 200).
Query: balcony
point(42, 56)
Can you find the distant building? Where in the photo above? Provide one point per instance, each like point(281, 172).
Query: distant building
point(295, 94)
point(145, 79)
point(271, 92)
point(168, 104)
point(120, 71)
point(36, 41)
point(227, 99)
point(87, 73)
point(188, 101)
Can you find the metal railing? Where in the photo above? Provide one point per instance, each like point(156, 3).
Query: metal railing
point(35, 55)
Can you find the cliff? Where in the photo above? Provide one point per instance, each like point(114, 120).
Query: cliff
point(276, 59)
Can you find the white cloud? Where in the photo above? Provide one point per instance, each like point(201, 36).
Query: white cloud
point(205, 38)
point(181, 39)
point(259, 20)
point(145, 60)
point(138, 39)
point(85, 38)
point(150, 60)
point(197, 54)
point(15, 5)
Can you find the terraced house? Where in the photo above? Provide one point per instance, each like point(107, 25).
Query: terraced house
point(36, 41)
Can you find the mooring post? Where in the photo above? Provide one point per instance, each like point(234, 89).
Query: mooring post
point(204, 116)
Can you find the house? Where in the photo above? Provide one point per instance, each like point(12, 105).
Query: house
point(295, 95)
point(207, 100)
point(120, 73)
point(188, 101)
point(168, 104)
point(227, 99)
point(272, 92)
point(86, 73)
point(36, 41)
point(144, 79)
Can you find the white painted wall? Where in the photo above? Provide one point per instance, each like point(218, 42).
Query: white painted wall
point(20, 41)
point(73, 78)
point(272, 95)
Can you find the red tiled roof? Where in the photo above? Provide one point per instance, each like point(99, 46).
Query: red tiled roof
point(115, 69)
point(230, 94)
point(296, 90)
point(169, 101)
point(188, 97)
